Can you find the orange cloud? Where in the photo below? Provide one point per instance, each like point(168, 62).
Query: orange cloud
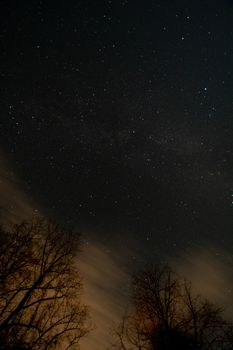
point(210, 271)
point(105, 291)
point(14, 203)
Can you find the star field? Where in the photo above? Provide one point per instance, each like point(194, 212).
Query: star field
point(117, 117)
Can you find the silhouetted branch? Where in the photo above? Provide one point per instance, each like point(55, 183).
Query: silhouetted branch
point(40, 287)
point(164, 315)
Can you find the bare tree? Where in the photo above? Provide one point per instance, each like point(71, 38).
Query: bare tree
point(164, 314)
point(40, 288)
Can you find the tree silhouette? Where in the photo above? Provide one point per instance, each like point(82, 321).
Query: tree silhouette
point(40, 288)
point(164, 314)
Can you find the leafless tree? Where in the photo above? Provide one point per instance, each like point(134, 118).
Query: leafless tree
point(40, 288)
point(165, 314)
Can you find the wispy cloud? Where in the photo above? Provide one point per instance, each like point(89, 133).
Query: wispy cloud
point(14, 203)
point(209, 269)
point(105, 291)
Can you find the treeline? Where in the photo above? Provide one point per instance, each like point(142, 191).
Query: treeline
point(40, 288)
point(41, 307)
point(165, 314)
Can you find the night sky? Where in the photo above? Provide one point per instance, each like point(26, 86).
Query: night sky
point(117, 119)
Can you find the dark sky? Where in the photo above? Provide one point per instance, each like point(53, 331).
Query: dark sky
point(117, 117)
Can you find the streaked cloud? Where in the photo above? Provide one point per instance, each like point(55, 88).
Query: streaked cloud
point(105, 291)
point(14, 203)
point(209, 269)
